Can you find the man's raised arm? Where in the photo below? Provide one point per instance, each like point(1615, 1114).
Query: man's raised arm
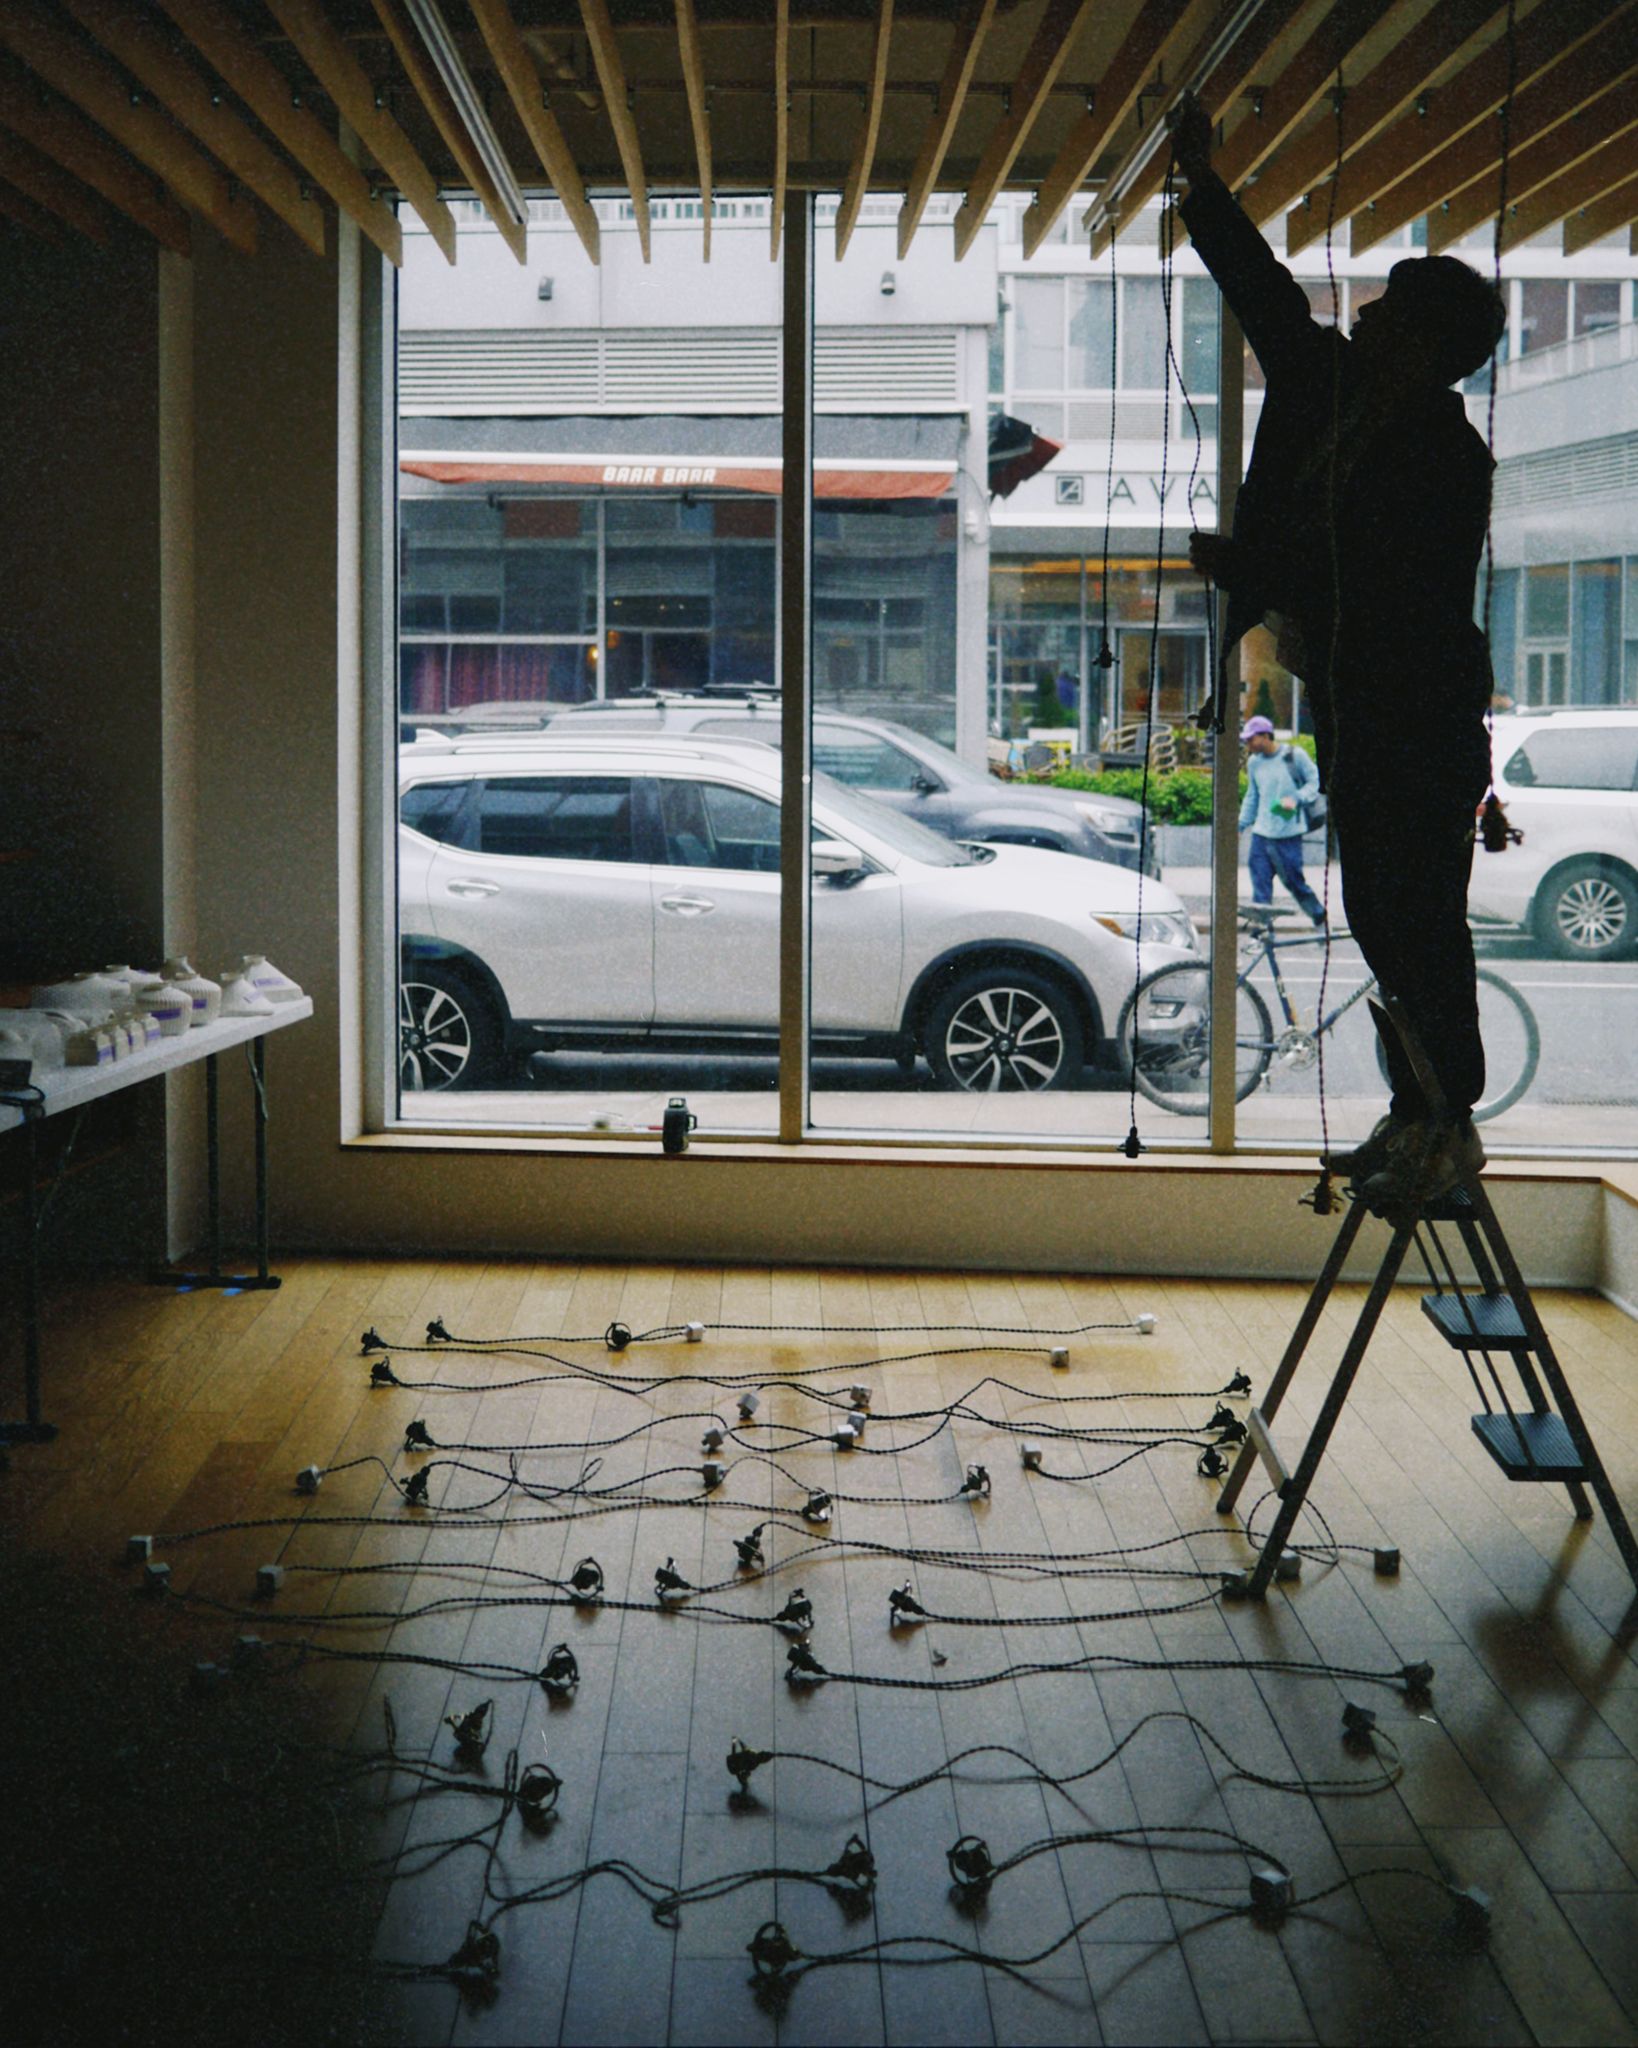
point(1271, 306)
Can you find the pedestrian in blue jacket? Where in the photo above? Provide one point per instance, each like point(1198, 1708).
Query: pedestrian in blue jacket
point(1281, 782)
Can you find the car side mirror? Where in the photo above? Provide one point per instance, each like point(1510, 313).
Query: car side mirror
point(834, 857)
point(924, 785)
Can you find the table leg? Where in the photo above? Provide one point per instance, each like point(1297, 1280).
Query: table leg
point(164, 1276)
point(258, 1075)
point(31, 1274)
point(213, 1163)
point(33, 1431)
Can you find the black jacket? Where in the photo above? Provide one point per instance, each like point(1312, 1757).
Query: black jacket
point(1411, 489)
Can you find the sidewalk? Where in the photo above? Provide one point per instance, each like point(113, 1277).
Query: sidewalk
point(1194, 886)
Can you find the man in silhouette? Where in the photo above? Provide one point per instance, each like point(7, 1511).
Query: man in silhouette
point(1357, 537)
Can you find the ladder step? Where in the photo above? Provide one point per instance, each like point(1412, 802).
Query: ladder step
point(1478, 1322)
point(1545, 1452)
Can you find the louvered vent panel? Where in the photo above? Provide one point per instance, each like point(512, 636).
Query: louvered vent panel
point(1564, 476)
point(717, 370)
point(665, 372)
point(872, 369)
point(446, 374)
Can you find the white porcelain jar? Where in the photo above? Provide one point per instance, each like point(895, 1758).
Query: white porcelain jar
point(241, 997)
point(137, 978)
point(89, 1046)
point(91, 996)
point(42, 1031)
point(14, 1045)
point(268, 981)
point(206, 994)
point(141, 1025)
point(170, 1007)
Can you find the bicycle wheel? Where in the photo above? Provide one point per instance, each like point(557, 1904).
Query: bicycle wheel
point(1512, 1045)
point(1169, 1015)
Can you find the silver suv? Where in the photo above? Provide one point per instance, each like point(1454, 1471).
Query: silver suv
point(1569, 782)
point(891, 763)
point(614, 891)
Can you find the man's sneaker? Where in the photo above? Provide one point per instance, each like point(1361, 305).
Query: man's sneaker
point(1359, 1163)
point(1426, 1159)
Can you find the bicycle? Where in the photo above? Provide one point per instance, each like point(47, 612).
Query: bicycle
point(1171, 1012)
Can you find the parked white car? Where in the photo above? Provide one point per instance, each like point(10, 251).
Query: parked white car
point(1569, 781)
point(624, 893)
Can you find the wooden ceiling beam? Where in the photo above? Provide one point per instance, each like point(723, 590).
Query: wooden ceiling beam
point(1536, 173)
point(1584, 184)
point(134, 41)
point(971, 26)
point(1217, 91)
point(611, 73)
point(1369, 104)
point(1614, 209)
point(329, 57)
point(870, 128)
point(1604, 59)
point(1299, 88)
point(1603, 216)
point(49, 186)
point(429, 87)
point(1037, 75)
point(1551, 32)
point(73, 143)
point(73, 68)
point(528, 94)
point(1160, 29)
point(238, 59)
point(782, 122)
point(34, 220)
point(693, 71)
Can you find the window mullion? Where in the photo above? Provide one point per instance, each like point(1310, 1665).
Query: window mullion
point(795, 669)
point(1225, 781)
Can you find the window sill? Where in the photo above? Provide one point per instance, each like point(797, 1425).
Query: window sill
point(1619, 1175)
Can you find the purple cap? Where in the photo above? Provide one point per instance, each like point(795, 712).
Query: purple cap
point(1253, 726)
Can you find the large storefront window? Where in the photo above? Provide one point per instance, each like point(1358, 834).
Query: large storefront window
point(1005, 664)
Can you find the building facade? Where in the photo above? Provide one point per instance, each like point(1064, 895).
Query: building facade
point(589, 470)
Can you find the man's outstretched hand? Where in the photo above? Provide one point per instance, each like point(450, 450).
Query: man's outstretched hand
point(1191, 138)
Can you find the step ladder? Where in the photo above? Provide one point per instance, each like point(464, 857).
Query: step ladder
point(1530, 1438)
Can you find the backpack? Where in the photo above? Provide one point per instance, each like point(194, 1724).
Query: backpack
point(1315, 808)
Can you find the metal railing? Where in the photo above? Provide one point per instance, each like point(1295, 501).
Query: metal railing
point(1600, 350)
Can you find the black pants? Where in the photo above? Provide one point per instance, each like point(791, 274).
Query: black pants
point(1404, 828)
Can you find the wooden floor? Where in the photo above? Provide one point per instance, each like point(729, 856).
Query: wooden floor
point(1520, 1776)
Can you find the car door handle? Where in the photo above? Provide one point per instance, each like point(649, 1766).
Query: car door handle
point(473, 888)
point(687, 906)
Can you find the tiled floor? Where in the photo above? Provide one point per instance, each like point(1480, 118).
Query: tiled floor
point(1520, 1775)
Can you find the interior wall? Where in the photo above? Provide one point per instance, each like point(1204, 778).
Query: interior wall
point(82, 672)
point(80, 627)
point(265, 565)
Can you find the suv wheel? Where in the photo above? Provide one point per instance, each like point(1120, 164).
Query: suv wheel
point(1004, 1030)
point(1588, 911)
point(447, 1035)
